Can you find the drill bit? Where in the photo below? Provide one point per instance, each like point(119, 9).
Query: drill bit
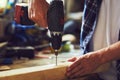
point(56, 60)
point(56, 54)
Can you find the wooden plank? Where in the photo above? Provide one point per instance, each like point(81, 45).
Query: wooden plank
point(47, 72)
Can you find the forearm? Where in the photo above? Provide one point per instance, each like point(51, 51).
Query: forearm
point(109, 53)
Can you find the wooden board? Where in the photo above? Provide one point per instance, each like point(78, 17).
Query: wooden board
point(47, 72)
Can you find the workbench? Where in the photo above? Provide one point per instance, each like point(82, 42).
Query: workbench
point(44, 59)
point(42, 68)
point(33, 66)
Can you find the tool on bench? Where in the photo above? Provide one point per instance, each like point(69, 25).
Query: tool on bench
point(55, 19)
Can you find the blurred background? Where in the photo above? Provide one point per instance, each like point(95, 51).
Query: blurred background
point(73, 13)
point(17, 39)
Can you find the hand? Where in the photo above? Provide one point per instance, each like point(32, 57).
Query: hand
point(37, 11)
point(83, 65)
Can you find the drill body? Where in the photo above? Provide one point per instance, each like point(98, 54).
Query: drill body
point(55, 19)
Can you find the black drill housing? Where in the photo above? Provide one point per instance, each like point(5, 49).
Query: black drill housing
point(55, 19)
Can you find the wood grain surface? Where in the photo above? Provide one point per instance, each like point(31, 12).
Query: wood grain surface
point(46, 72)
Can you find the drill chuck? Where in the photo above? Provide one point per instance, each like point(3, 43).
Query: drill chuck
point(56, 39)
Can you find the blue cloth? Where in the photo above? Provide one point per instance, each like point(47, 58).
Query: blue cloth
point(89, 21)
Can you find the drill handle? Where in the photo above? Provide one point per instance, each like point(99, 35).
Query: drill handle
point(55, 16)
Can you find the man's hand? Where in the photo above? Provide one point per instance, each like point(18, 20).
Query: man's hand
point(37, 11)
point(83, 65)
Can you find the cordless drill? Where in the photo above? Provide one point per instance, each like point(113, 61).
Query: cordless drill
point(55, 19)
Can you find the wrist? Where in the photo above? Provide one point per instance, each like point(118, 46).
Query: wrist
point(104, 56)
point(98, 57)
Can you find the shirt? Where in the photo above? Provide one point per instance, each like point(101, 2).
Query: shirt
point(107, 31)
point(91, 28)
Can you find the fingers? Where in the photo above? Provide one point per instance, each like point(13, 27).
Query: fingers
point(38, 18)
point(75, 64)
point(74, 68)
point(86, 64)
point(37, 11)
point(30, 9)
point(72, 59)
point(75, 72)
